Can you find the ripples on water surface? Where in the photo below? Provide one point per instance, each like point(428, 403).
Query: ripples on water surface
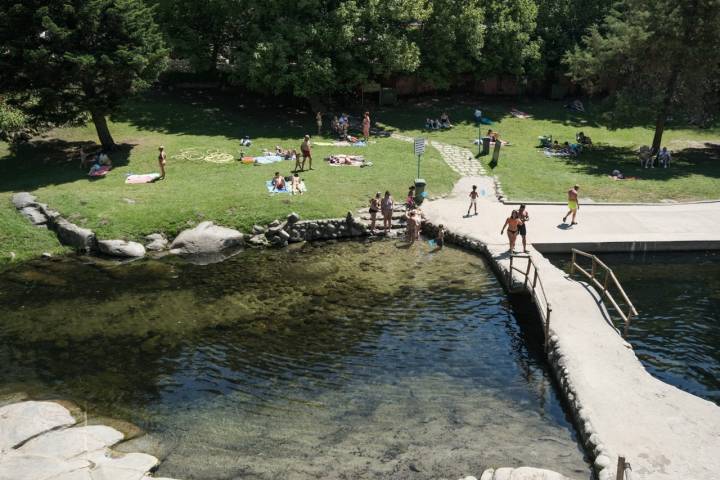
point(346, 361)
point(677, 333)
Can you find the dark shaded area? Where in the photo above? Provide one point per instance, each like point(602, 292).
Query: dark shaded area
point(44, 162)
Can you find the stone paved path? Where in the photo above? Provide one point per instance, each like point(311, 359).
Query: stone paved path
point(459, 159)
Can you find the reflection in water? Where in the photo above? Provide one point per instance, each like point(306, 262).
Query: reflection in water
point(346, 361)
point(677, 333)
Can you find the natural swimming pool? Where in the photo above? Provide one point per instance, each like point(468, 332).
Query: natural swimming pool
point(677, 333)
point(350, 360)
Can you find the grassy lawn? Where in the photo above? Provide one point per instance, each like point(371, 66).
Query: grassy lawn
point(527, 174)
point(231, 194)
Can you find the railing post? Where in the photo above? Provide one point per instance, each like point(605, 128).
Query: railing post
point(627, 322)
point(535, 278)
point(572, 267)
point(620, 475)
point(547, 326)
point(527, 272)
point(594, 267)
point(607, 275)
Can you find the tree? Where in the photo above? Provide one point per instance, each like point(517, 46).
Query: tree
point(656, 56)
point(67, 58)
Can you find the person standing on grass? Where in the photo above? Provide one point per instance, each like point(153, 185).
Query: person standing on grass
point(162, 161)
point(366, 126)
point(387, 204)
point(306, 153)
point(473, 200)
point(573, 204)
point(512, 223)
point(318, 120)
point(440, 238)
point(374, 209)
point(524, 216)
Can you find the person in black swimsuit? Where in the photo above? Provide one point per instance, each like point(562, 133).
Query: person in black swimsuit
point(524, 216)
point(513, 226)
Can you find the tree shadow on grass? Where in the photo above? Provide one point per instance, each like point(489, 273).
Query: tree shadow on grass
point(601, 160)
point(45, 162)
point(215, 114)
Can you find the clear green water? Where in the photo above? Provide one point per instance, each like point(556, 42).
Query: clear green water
point(677, 333)
point(342, 361)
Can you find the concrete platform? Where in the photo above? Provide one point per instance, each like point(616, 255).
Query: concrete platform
point(619, 408)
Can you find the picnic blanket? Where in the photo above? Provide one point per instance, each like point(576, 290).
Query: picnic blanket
point(267, 159)
point(519, 114)
point(549, 152)
point(341, 160)
point(342, 143)
point(143, 178)
point(271, 188)
point(99, 170)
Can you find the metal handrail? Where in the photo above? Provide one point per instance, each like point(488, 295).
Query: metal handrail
point(624, 470)
point(537, 290)
point(609, 275)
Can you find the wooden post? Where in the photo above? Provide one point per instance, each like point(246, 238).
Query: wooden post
point(620, 469)
point(627, 323)
point(535, 278)
point(510, 274)
point(572, 267)
point(594, 266)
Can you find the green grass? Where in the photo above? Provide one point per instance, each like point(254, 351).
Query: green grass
point(229, 194)
point(527, 174)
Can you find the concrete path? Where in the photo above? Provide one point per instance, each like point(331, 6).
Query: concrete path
point(620, 409)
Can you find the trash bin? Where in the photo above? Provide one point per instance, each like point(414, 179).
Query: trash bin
point(419, 190)
point(496, 152)
point(485, 145)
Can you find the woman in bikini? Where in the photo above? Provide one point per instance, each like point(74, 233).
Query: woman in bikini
point(387, 204)
point(366, 126)
point(162, 160)
point(513, 226)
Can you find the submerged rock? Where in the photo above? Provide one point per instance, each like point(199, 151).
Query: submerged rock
point(21, 421)
point(206, 238)
point(121, 248)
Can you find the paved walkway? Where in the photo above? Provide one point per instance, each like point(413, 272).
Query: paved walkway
point(665, 433)
point(459, 159)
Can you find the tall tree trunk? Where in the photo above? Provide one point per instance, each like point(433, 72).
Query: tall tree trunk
point(665, 109)
point(103, 131)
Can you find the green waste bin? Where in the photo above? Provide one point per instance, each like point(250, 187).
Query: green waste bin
point(420, 190)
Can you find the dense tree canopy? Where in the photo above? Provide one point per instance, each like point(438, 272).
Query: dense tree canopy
point(658, 58)
point(64, 58)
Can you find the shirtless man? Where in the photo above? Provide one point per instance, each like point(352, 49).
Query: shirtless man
point(162, 161)
point(473, 200)
point(522, 230)
point(573, 204)
point(306, 153)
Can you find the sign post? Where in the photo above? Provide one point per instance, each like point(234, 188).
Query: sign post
point(419, 150)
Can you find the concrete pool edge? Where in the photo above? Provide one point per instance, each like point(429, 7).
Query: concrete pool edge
point(684, 447)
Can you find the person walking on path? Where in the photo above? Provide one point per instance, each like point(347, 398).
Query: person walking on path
point(318, 120)
point(374, 209)
point(306, 153)
point(366, 126)
point(573, 204)
point(387, 204)
point(473, 200)
point(512, 223)
point(524, 216)
point(162, 161)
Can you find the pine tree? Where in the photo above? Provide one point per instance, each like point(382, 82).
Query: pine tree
point(68, 58)
point(657, 57)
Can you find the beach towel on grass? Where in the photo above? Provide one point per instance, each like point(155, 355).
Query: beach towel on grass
point(268, 159)
point(287, 189)
point(549, 152)
point(144, 178)
point(519, 114)
point(341, 143)
point(100, 171)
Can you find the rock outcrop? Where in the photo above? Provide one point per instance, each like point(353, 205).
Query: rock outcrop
point(206, 238)
point(121, 248)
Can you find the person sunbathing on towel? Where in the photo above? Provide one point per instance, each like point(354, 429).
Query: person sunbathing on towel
point(295, 184)
point(445, 120)
point(278, 181)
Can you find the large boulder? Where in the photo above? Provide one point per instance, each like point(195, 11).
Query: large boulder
point(23, 199)
point(33, 214)
point(206, 238)
point(521, 473)
point(156, 242)
point(22, 421)
point(121, 248)
point(74, 236)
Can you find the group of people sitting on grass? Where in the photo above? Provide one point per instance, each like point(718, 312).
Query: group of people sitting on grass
point(438, 124)
point(648, 157)
point(292, 183)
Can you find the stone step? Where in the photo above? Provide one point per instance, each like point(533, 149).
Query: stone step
point(399, 216)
